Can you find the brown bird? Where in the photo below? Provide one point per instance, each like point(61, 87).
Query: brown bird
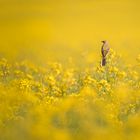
point(104, 51)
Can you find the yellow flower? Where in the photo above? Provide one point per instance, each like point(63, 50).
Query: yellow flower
point(56, 91)
point(113, 70)
point(24, 84)
point(51, 80)
point(121, 74)
point(89, 80)
point(112, 53)
point(134, 74)
point(100, 69)
point(103, 84)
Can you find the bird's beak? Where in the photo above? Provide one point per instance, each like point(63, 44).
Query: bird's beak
point(103, 41)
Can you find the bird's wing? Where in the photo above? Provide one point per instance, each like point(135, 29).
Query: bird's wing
point(104, 50)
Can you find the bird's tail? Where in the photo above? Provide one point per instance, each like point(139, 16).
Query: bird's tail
point(103, 63)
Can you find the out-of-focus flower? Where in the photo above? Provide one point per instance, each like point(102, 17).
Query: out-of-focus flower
point(89, 80)
point(100, 69)
point(113, 70)
point(24, 84)
point(121, 74)
point(103, 85)
point(51, 80)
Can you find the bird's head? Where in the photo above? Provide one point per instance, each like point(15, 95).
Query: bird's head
point(104, 41)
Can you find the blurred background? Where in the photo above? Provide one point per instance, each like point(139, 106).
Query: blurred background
point(65, 30)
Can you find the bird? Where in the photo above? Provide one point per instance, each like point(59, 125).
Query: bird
point(104, 51)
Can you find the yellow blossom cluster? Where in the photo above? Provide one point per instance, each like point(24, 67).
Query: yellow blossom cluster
point(57, 102)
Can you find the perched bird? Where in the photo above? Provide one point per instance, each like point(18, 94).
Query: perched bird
point(104, 51)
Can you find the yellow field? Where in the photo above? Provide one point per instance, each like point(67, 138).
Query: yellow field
point(51, 82)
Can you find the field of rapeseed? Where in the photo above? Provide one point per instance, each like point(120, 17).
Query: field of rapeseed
point(56, 80)
point(57, 102)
